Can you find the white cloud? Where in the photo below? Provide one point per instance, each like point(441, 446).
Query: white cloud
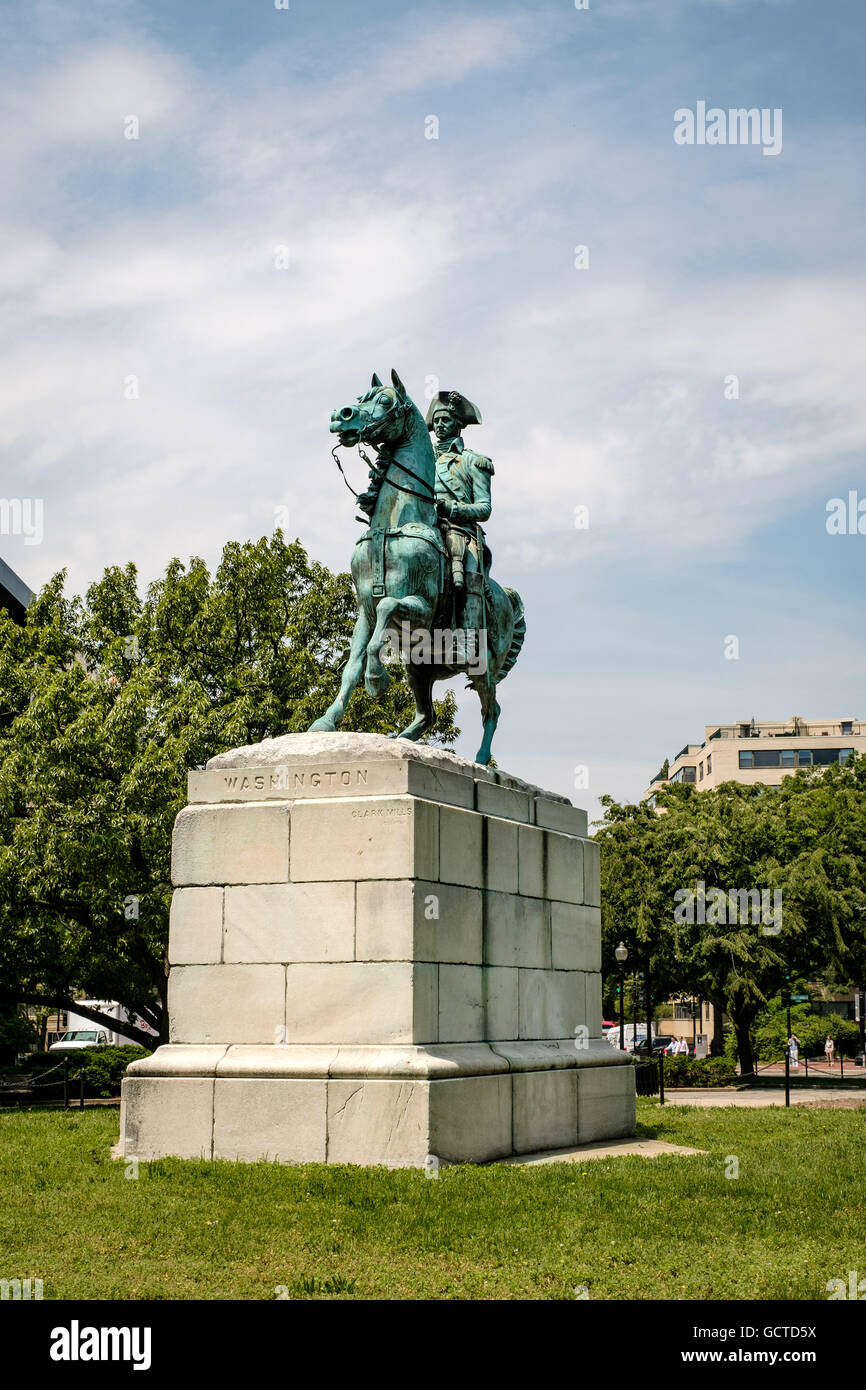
point(602, 388)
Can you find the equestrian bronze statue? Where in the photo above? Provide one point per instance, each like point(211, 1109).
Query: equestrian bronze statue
point(421, 568)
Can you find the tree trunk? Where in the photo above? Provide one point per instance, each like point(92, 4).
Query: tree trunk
point(742, 1032)
point(113, 1025)
point(717, 1046)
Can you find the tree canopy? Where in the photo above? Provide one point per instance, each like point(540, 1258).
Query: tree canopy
point(805, 840)
point(106, 702)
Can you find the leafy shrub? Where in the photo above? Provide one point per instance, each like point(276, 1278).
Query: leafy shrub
point(771, 1034)
point(699, 1071)
point(103, 1067)
point(32, 1063)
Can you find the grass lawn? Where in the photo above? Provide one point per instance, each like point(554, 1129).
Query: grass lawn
point(662, 1228)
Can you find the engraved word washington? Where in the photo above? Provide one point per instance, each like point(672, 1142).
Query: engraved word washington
point(282, 779)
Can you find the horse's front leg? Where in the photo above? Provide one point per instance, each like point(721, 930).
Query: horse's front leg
point(351, 675)
point(390, 611)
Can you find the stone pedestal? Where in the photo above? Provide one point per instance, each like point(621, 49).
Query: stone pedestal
point(382, 954)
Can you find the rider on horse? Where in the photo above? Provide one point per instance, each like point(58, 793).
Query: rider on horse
point(462, 501)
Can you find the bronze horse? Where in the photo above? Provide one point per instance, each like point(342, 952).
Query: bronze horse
point(400, 572)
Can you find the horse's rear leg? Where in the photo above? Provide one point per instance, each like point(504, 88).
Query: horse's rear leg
point(351, 675)
point(490, 714)
point(421, 685)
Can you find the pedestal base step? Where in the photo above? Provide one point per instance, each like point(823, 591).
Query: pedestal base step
point(450, 1105)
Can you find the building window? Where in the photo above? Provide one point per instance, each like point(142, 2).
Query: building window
point(682, 1012)
point(793, 757)
point(847, 726)
point(789, 757)
point(709, 763)
point(823, 757)
point(701, 773)
point(685, 774)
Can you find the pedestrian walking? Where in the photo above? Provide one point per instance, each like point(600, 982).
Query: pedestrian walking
point(829, 1048)
point(794, 1051)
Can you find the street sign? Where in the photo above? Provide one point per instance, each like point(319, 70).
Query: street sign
point(799, 998)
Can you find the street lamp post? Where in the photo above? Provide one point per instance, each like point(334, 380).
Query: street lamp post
point(621, 954)
point(786, 997)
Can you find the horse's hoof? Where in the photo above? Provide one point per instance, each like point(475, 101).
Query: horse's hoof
point(323, 726)
point(482, 758)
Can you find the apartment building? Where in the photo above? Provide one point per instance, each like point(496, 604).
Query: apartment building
point(761, 751)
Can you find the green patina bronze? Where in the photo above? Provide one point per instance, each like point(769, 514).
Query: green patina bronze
point(421, 568)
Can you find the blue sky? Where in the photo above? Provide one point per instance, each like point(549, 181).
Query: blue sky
point(454, 258)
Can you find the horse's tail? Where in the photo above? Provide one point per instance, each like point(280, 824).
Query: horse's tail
point(519, 633)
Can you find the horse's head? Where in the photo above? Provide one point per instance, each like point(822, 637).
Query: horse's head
point(381, 416)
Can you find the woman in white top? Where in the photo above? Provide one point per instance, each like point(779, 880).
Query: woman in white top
point(829, 1048)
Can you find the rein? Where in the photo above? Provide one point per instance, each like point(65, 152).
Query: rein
point(428, 496)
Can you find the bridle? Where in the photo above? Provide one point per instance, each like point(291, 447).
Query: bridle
point(375, 467)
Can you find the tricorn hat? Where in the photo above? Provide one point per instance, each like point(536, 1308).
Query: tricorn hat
point(460, 407)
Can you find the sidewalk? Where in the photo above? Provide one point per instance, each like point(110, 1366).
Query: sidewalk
point(823, 1097)
point(821, 1069)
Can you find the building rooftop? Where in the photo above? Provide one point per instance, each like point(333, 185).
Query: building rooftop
point(748, 751)
point(14, 593)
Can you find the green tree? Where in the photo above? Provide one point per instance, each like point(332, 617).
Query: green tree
point(105, 703)
point(636, 906)
point(804, 839)
point(17, 1034)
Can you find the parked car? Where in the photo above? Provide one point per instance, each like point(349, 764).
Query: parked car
point(661, 1043)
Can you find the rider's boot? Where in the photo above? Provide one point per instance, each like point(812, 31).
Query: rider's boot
point(473, 602)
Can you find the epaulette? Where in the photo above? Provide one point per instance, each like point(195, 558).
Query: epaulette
point(482, 461)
